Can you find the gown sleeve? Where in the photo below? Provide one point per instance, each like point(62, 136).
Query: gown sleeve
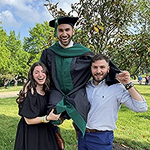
point(43, 58)
point(29, 108)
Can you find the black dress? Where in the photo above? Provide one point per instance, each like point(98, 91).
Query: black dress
point(38, 136)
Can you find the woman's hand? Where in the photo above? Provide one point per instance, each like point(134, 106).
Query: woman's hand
point(52, 116)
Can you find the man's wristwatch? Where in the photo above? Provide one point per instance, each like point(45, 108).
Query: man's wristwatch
point(128, 85)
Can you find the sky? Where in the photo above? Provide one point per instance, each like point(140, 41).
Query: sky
point(21, 15)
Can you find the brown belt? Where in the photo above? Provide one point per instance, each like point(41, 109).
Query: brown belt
point(92, 130)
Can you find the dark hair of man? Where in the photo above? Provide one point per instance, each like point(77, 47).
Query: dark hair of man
point(33, 83)
point(100, 57)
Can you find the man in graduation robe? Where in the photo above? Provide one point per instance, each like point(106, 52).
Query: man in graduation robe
point(69, 67)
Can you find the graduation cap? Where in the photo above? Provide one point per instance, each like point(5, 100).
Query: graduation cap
point(62, 20)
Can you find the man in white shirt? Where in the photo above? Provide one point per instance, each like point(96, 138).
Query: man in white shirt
point(105, 103)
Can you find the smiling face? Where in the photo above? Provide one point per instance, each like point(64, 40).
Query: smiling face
point(99, 69)
point(39, 75)
point(64, 34)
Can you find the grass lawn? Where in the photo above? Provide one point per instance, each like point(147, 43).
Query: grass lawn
point(11, 88)
point(133, 128)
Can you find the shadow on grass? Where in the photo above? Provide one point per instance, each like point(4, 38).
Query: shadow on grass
point(69, 137)
point(135, 145)
point(8, 128)
point(144, 116)
point(10, 101)
point(138, 115)
point(124, 108)
point(145, 94)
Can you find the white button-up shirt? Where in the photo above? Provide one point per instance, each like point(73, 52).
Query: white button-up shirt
point(70, 45)
point(105, 103)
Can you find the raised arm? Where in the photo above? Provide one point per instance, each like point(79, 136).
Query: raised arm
point(124, 78)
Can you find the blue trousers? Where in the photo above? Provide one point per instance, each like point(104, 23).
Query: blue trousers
point(96, 141)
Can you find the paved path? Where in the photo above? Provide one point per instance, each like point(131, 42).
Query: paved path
point(8, 94)
point(14, 93)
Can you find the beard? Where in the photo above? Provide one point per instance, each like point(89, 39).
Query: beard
point(66, 42)
point(100, 78)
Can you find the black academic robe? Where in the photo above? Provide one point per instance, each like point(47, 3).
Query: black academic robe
point(70, 70)
point(71, 102)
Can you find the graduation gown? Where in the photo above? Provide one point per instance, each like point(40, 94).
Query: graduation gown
point(70, 70)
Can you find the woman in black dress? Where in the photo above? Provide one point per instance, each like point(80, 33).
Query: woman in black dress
point(35, 132)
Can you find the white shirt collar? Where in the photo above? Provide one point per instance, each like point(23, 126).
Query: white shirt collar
point(70, 45)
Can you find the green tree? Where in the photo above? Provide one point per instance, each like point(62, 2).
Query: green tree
point(106, 26)
point(18, 58)
point(38, 41)
point(99, 21)
point(133, 46)
point(142, 27)
point(4, 53)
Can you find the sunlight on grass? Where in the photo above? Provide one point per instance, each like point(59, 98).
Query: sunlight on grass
point(132, 128)
point(12, 88)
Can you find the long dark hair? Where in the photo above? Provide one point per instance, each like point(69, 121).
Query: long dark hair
point(31, 83)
